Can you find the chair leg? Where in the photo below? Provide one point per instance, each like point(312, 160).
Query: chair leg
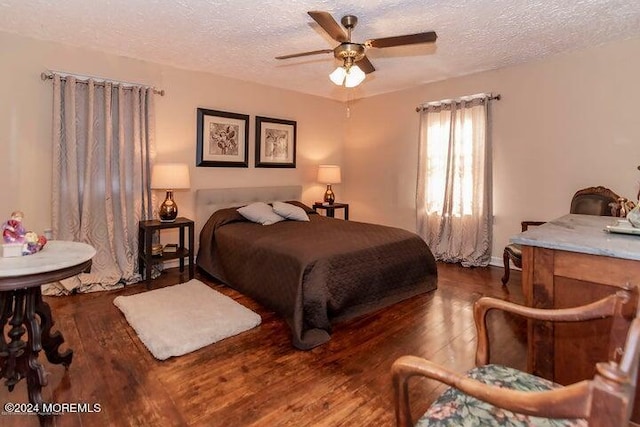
point(505, 259)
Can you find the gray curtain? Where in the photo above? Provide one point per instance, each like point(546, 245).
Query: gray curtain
point(102, 149)
point(454, 197)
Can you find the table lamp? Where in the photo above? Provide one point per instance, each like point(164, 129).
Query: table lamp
point(329, 174)
point(169, 177)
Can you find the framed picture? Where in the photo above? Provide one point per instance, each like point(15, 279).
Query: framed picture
point(275, 143)
point(223, 139)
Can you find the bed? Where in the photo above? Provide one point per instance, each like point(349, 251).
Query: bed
point(311, 273)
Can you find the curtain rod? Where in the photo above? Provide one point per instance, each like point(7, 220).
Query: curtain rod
point(47, 75)
point(490, 97)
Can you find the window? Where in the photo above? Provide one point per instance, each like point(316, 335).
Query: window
point(438, 162)
point(454, 181)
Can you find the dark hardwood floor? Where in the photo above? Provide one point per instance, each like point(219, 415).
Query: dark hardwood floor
point(257, 378)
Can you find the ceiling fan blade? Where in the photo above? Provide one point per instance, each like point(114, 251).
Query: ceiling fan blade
point(428, 37)
point(326, 21)
point(366, 65)
point(313, 52)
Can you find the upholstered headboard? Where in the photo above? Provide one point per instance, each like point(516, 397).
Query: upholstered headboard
point(209, 200)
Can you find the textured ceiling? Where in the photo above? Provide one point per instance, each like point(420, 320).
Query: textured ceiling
point(240, 38)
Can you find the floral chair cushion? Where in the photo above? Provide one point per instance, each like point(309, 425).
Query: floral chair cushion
point(454, 408)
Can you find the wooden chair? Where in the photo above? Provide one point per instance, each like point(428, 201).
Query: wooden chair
point(588, 201)
point(513, 251)
point(494, 392)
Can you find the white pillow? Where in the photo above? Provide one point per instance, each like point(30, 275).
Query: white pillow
point(289, 211)
point(261, 213)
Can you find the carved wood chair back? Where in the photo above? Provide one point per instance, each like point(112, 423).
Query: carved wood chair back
point(595, 201)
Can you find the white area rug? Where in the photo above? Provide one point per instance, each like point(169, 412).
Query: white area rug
point(179, 319)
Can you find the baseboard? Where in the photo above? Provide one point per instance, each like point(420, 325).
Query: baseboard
point(173, 263)
point(496, 261)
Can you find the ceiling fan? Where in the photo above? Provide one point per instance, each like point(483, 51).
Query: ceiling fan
point(351, 74)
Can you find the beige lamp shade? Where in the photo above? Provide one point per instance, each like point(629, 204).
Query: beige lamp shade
point(170, 176)
point(329, 174)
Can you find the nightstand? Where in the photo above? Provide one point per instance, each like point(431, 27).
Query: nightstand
point(331, 209)
point(146, 259)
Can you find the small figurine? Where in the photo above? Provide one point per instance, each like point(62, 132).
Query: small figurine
point(13, 231)
point(33, 243)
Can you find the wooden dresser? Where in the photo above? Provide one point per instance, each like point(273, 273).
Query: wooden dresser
point(568, 262)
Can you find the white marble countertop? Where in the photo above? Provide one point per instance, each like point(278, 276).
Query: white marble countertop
point(584, 234)
point(56, 255)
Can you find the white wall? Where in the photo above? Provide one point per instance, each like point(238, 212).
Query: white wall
point(25, 123)
point(564, 123)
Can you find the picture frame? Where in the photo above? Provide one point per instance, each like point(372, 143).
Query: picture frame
point(275, 143)
point(222, 139)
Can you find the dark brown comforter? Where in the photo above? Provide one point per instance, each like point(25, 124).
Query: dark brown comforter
point(317, 271)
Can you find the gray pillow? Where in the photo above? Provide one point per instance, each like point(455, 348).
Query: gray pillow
point(261, 213)
point(289, 211)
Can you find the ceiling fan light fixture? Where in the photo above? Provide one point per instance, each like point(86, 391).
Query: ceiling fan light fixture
point(347, 77)
point(354, 77)
point(338, 76)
